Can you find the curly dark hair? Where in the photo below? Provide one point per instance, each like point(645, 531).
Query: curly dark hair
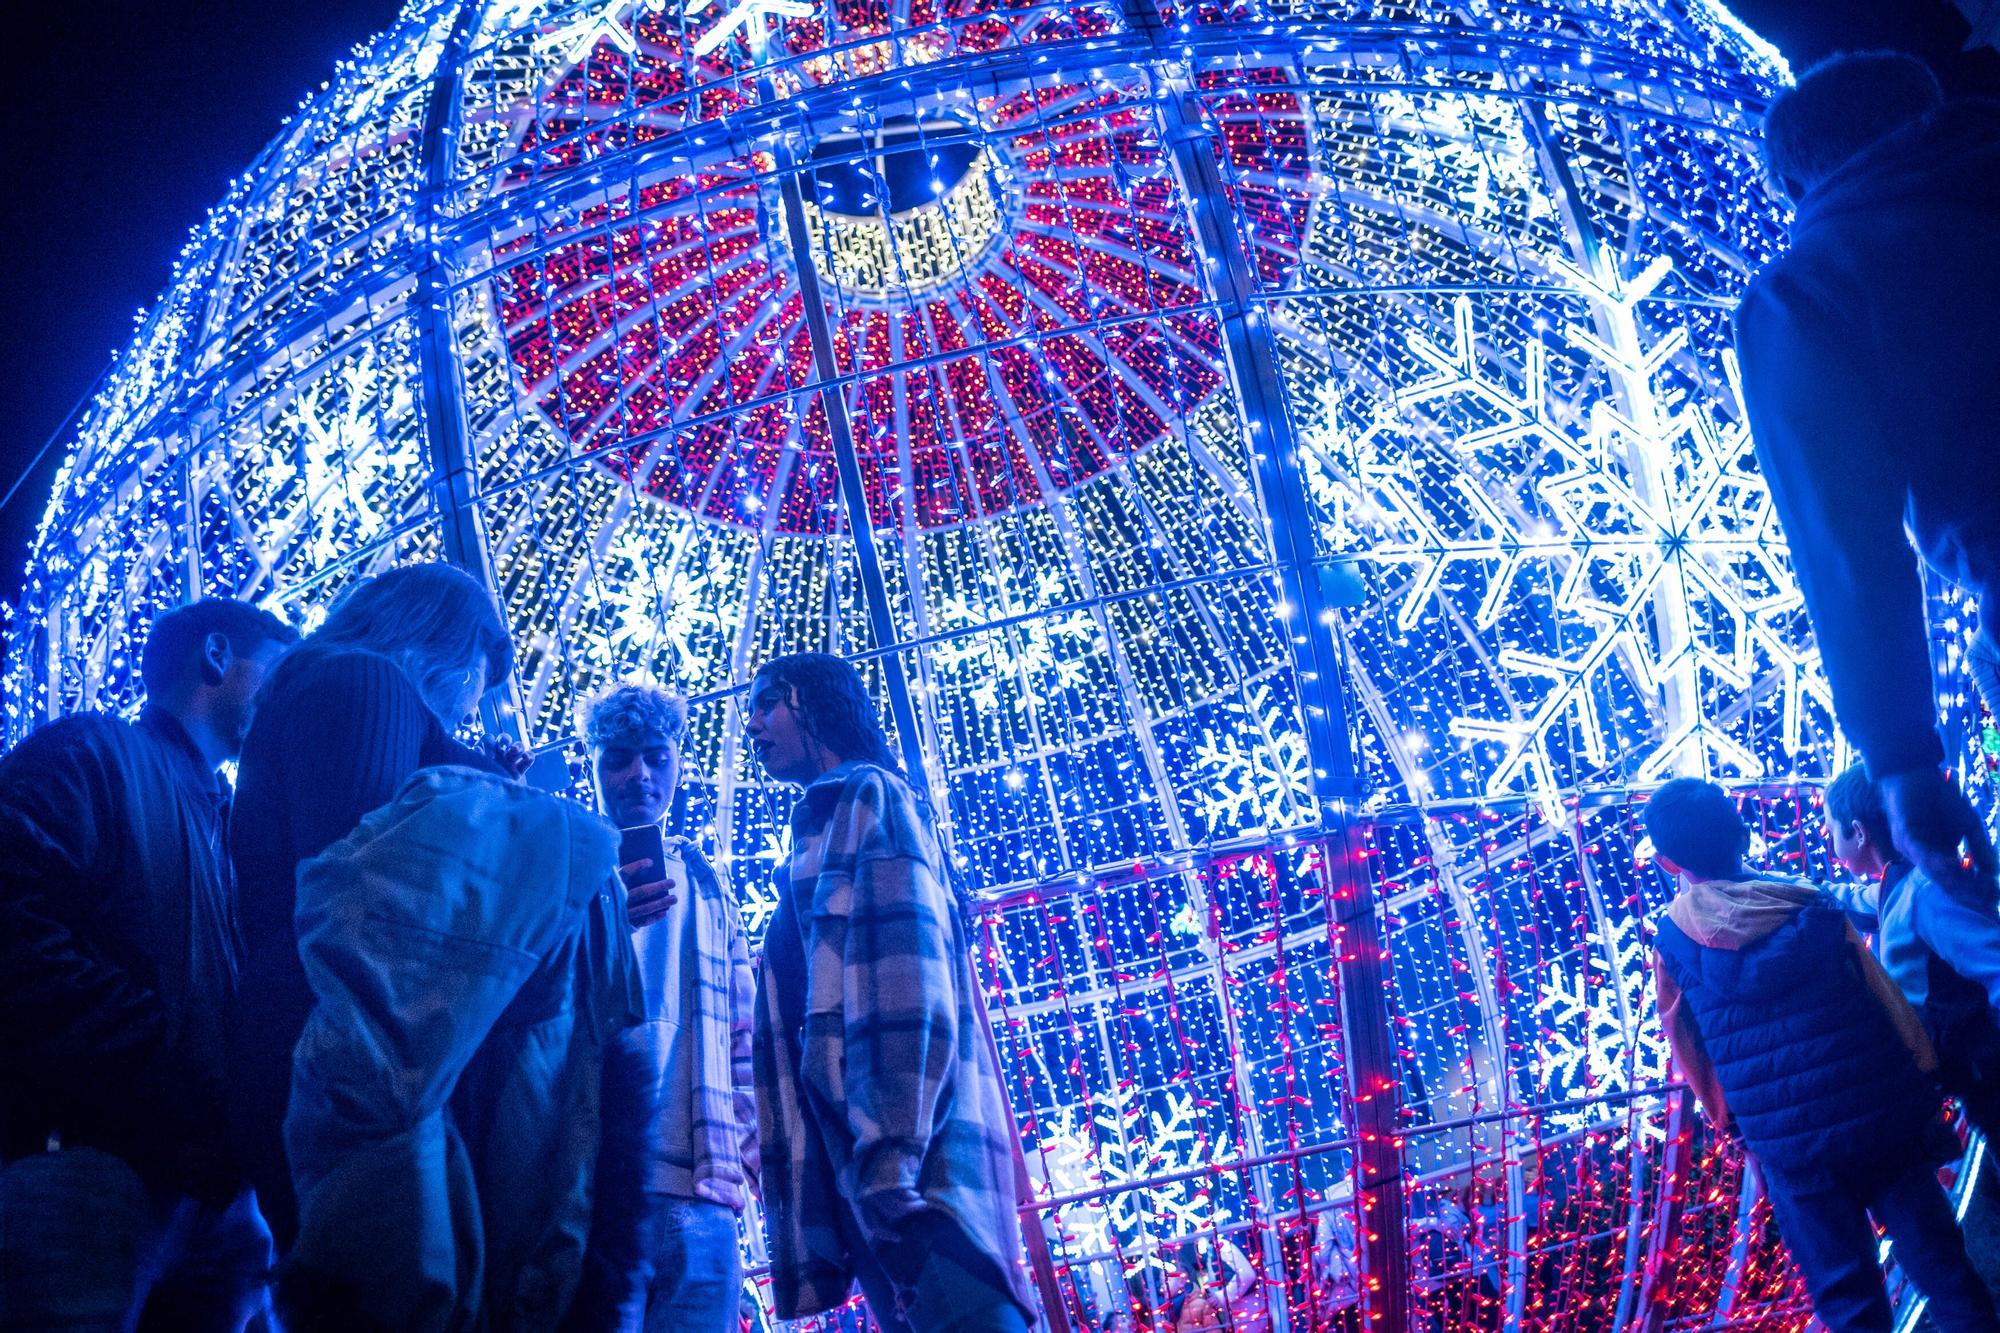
point(636, 714)
point(834, 706)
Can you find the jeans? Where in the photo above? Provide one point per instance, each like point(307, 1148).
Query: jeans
point(1825, 1224)
point(955, 1290)
point(85, 1244)
point(698, 1272)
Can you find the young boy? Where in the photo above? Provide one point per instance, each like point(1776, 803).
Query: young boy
point(1941, 949)
point(1795, 1040)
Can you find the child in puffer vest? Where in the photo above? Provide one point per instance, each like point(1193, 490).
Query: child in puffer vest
point(1794, 1040)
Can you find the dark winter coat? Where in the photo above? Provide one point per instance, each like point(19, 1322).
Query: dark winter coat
point(1871, 373)
point(117, 949)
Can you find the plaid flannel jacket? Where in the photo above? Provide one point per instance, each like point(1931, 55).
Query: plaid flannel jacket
point(696, 970)
point(881, 1093)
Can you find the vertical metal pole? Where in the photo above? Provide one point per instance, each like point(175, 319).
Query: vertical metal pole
point(1669, 1194)
point(454, 486)
point(1309, 582)
point(853, 493)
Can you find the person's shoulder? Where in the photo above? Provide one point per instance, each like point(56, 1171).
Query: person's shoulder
point(81, 729)
point(1820, 924)
point(1653, 922)
point(872, 783)
point(884, 792)
point(71, 736)
point(1786, 288)
point(877, 812)
point(1665, 934)
point(83, 758)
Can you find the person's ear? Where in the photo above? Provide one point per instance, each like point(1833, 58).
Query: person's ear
point(1666, 863)
point(215, 659)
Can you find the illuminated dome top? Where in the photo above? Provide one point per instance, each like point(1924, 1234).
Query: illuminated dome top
point(1204, 422)
point(522, 287)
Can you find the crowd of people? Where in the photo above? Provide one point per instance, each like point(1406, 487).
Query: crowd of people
point(384, 1037)
point(387, 1038)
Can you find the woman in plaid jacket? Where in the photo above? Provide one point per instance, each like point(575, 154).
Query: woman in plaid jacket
point(887, 1141)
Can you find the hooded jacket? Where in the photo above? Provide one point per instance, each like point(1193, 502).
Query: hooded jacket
point(467, 1129)
point(1870, 354)
point(1787, 1028)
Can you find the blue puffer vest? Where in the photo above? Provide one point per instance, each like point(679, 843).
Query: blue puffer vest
point(1816, 1076)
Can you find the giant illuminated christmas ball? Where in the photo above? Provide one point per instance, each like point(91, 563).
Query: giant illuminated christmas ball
point(1279, 462)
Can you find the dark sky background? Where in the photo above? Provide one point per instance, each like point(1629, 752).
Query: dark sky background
point(131, 116)
point(130, 119)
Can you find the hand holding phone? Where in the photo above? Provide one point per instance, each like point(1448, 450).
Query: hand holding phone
point(510, 756)
point(651, 879)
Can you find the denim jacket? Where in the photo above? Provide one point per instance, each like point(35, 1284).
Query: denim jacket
point(468, 1124)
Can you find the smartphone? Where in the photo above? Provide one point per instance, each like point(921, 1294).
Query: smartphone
point(644, 843)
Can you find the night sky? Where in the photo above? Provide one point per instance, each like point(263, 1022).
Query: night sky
point(131, 116)
point(130, 119)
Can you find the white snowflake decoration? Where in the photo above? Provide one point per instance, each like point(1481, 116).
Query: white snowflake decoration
point(1118, 1143)
point(1596, 1031)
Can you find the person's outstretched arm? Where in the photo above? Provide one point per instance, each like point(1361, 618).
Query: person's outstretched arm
point(1857, 901)
point(1825, 441)
point(1826, 436)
